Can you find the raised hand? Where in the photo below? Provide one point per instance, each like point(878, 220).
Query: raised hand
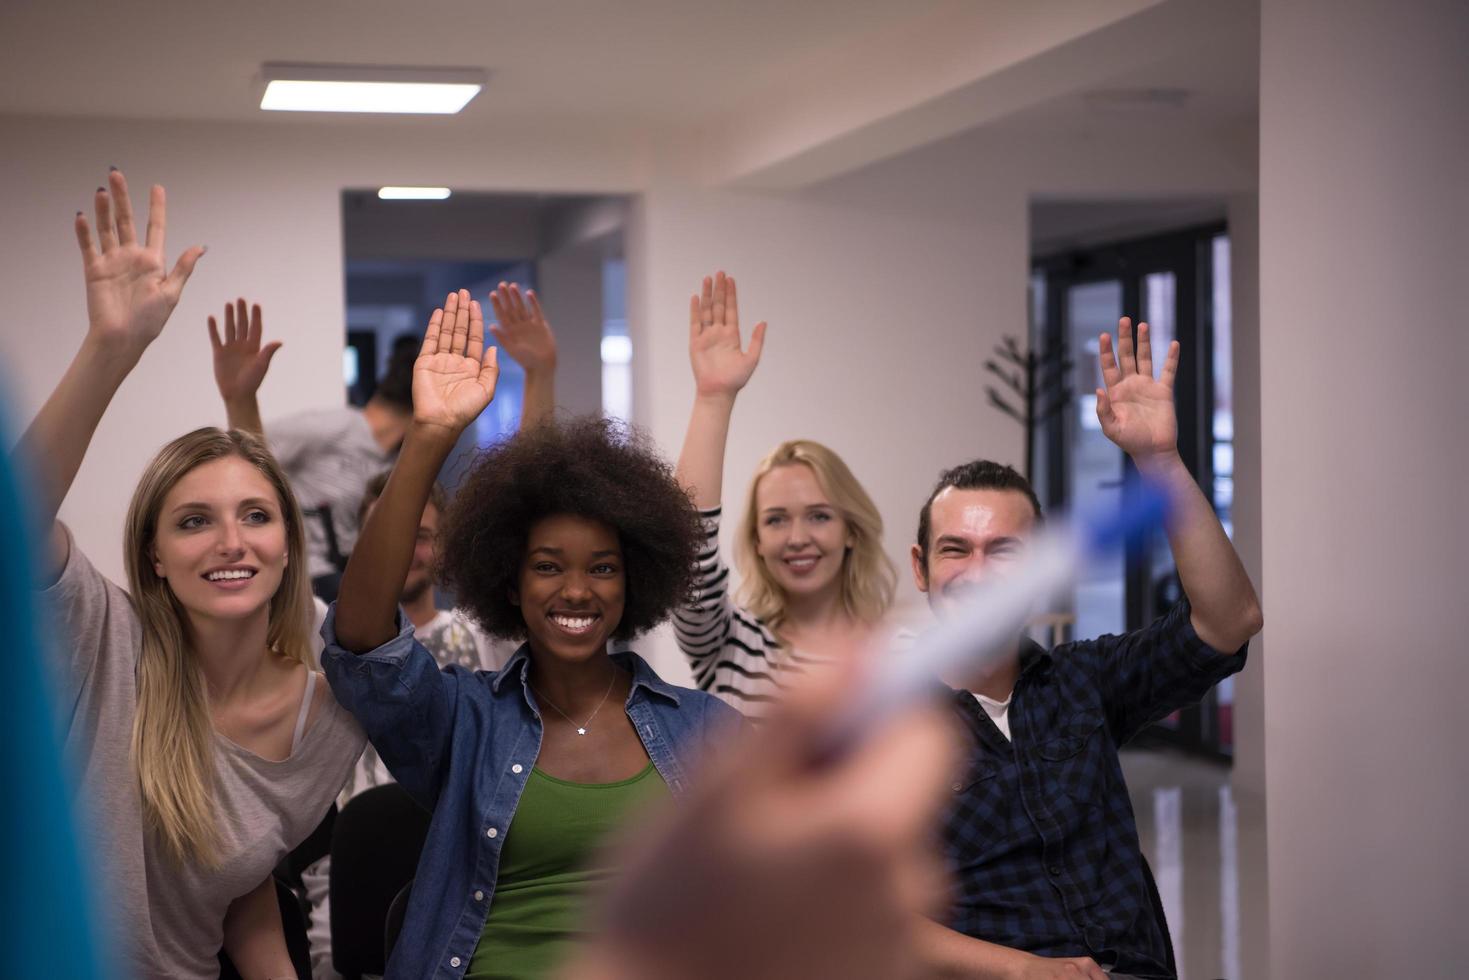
point(521, 328)
point(130, 291)
point(454, 376)
point(1136, 410)
point(721, 367)
point(240, 362)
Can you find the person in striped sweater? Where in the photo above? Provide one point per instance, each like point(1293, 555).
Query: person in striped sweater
point(816, 582)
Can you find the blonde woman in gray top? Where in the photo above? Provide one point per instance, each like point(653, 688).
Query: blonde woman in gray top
point(816, 583)
point(206, 749)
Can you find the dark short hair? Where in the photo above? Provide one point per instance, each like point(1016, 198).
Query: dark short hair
point(379, 483)
point(981, 474)
point(589, 467)
point(395, 387)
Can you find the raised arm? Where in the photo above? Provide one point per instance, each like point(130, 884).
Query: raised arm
point(453, 381)
point(721, 369)
point(240, 364)
point(522, 330)
point(130, 294)
point(254, 938)
point(1137, 413)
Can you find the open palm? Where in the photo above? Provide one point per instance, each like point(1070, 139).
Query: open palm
point(454, 376)
point(522, 329)
point(721, 367)
point(1136, 410)
point(130, 291)
point(240, 360)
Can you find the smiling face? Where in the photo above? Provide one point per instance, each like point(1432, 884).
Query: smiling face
point(801, 537)
point(973, 535)
point(572, 587)
point(221, 540)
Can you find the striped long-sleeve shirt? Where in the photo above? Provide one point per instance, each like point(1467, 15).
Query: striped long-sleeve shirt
point(732, 653)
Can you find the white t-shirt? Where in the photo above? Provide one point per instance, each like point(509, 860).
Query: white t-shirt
point(999, 712)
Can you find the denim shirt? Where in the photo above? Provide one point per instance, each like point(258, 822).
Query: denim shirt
point(462, 743)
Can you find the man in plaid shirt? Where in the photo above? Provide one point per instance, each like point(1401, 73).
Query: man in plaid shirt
point(1040, 834)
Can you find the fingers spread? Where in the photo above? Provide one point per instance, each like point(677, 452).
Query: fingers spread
point(1170, 366)
point(1144, 351)
point(1104, 409)
point(123, 206)
point(489, 370)
point(157, 218)
point(757, 342)
point(721, 291)
point(476, 346)
point(106, 230)
point(706, 303)
point(1110, 373)
point(461, 323)
point(83, 230)
point(431, 334)
point(183, 269)
point(1126, 358)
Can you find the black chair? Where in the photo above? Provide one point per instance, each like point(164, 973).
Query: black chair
point(393, 925)
point(375, 846)
point(307, 853)
point(293, 921)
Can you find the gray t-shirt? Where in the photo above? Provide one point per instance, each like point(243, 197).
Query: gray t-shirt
point(328, 454)
point(170, 918)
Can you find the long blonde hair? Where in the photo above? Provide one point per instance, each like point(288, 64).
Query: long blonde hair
point(173, 736)
point(868, 578)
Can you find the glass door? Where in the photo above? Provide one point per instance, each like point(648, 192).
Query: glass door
point(1170, 282)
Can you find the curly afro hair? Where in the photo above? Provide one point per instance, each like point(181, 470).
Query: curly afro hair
point(591, 467)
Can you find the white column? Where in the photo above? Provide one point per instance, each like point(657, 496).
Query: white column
point(1364, 288)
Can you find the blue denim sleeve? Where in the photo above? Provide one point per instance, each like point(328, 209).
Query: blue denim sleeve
point(1146, 675)
point(401, 698)
point(722, 727)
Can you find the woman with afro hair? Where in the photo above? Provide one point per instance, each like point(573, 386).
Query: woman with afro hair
point(567, 536)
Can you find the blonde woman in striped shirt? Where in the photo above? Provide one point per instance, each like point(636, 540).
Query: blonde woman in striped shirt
point(816, 583)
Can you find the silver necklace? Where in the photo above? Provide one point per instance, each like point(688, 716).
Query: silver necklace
point(582, 728)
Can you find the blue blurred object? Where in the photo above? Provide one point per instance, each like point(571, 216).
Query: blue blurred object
point(987, 624)
point(48, 921)
point(1145, 506)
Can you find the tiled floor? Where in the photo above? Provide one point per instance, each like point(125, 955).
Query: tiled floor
point(1190, 829)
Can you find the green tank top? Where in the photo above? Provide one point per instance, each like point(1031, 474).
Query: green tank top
point(551, 866)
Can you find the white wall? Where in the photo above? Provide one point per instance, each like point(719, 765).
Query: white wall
point(882, 302)
point(881, 313)
point(1364, 205)
point(266, 200)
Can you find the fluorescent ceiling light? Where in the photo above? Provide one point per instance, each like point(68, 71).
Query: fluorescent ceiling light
point(319, 88)
point(412, 193)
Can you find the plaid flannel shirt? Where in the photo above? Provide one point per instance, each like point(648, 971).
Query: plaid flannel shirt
point(1040, 832)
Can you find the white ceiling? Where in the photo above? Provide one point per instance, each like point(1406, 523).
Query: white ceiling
point(780, 92)
point(627, 62)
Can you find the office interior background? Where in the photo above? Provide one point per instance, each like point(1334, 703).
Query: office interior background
point(900, 187)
